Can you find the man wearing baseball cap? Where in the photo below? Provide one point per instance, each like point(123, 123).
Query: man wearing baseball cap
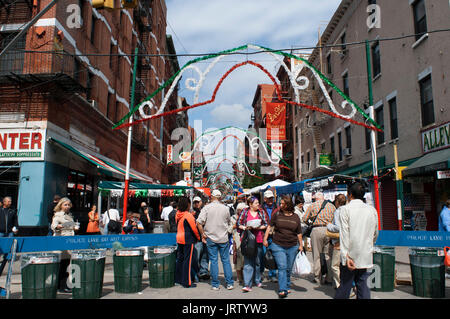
point(213, 223)
point(200, 248)
point(270, 208)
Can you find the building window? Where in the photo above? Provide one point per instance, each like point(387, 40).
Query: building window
point(376, 59)
point(393, 117)
point(340, 145)
point(343, 44)
point(296, 135)
point(420, 18)
point(426, 98)
point(345, 84)
point(89, 85)
point(308, 161)
point(379, 118)
point(322, 147)
point(367, 139)
point(329, 70)
point(332, 149)
point(80, 192)
point(348, 137)
point(93, 25)
point(109, 106)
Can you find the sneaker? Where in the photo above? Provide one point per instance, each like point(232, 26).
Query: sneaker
point(215, 288)
point(246, 289)
point(230, 287)
point(353, 293)
point(259, 285)
point(282, 294)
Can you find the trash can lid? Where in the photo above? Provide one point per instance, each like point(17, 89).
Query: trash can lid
point(39, 258)
point(426, 251)
point(129, 252)
point(88, 254)
point(162, 249)
point(384, 250)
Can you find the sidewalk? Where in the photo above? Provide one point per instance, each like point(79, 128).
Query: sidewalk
point(302, 287)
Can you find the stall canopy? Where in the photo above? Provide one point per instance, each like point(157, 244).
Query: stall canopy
point(428, 163)
point(106, 166)
point(275, 183)
point(110, 185)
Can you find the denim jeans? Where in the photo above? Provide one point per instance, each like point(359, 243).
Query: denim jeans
point(214, 250)
point(202, 256)
point(273, 272)
point(284, 257)
point(252, 265)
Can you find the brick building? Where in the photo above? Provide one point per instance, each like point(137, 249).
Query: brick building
point(67, 84)
point(410, 95)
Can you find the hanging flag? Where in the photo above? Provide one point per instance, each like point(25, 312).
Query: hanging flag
point(276, 121)
point(277, 150)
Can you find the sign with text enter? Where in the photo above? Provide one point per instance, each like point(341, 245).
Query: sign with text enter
point(22, 145)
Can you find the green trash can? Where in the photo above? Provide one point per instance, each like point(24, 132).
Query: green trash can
point(428, 272)
point(128, 269)
point(161, 266)
point(40, 275)
point(91, 265)
point(384, 258)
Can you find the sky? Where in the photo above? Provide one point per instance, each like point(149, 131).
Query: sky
point(201, 27)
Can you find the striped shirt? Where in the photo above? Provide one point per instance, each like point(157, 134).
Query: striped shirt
point(325, 217)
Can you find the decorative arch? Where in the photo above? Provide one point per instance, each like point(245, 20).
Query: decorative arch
point(294, 76)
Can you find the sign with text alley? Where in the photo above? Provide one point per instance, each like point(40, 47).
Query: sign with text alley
point(22, 145)
point(436, 138)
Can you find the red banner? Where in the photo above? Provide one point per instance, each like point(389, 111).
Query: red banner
point(276, 120)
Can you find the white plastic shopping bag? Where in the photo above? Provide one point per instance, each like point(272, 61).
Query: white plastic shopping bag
point(301, 265)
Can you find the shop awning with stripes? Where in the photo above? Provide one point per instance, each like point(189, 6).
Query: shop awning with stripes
point(109, 167)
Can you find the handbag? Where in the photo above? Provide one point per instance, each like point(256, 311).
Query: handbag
point(248, 244)
point(308, 229)
point(113, 225)
point(269, 261)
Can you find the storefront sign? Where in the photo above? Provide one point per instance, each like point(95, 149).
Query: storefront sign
point(443, 174)
point(325, 160)
point(436, 138)
point(22, 145)
point(187, 177)
point(276, 120)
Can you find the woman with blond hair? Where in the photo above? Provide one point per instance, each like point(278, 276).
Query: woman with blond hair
point(64, 225)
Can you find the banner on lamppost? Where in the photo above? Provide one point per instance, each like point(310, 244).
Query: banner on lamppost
point(169, 153)
point(277, 151)
point(185, 158)
point(276, 121)
point(187, 177)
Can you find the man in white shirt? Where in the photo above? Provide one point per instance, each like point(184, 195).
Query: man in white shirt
point(111, 214)
point(165, 216)
point(358, 234)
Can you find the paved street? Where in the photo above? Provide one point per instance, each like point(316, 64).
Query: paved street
point(302, 287)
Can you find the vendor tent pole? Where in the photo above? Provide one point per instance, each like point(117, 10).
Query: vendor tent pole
point(373, 136)
point(399, 184)
point(127, 173)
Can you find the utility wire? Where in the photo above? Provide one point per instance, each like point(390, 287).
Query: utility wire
point(338, 45)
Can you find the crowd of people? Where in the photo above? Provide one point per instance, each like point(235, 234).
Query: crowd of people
point(341, 235)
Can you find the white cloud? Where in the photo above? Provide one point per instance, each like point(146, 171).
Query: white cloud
point(234, 114)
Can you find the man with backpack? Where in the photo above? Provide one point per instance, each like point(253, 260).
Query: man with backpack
point(320, 213)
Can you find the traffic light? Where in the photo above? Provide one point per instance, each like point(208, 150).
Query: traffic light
point(129, 3)
point(100, 4)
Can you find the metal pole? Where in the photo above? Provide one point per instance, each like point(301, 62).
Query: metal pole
point(399, 187)
point(28, 26)
point(130, 131)
point(373, 136)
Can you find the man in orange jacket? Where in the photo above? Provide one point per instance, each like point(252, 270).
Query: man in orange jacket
point(187, 236)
